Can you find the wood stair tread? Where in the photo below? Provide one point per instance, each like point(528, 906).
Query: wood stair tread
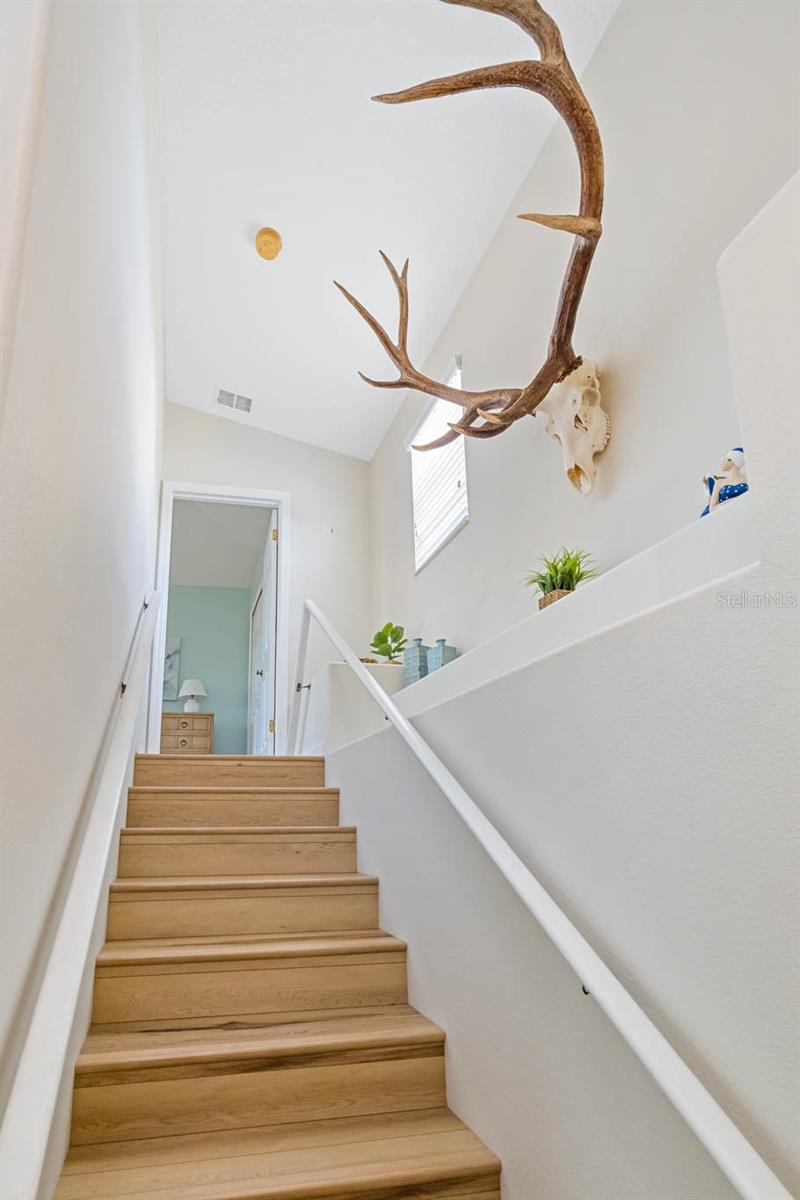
point(213, 831)
point(130, 953)
point(244, 938)
point(114, 1052)
point(194, 883)
point(213, 793)
point(338, 1157)
point(247, 759)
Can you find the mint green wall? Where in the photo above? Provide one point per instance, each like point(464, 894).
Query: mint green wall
point(213, 624)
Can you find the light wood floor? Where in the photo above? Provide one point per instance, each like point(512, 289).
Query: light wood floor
point(251, 1036)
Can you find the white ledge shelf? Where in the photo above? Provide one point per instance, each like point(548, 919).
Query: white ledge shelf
point(693, 557)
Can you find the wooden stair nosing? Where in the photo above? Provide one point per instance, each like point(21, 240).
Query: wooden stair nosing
point(221, 883)
point(214, 832)
point(201, 939)
point(146, 790)
point(256, 759)
point(129, 953)
point(129, 1052)
point(242, 1021)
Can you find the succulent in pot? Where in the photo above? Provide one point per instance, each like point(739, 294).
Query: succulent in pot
point(557, 577)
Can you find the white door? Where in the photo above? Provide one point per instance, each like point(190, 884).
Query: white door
point(257, 718)
point(263, 645)
point(271, 627)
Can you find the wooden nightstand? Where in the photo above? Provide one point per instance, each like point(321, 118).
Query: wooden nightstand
point(187, 733)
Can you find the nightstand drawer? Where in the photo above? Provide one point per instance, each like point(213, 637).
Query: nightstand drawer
point(175, 723)
point(187, 722)
point(187, 733)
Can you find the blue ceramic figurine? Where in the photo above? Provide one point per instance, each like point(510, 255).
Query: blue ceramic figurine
point(731, 481)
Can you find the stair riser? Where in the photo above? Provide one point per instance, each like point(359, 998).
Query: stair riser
point(91, 1188)
point(309, 910)
point(94, 1190)
point(216, 771)
point(190, 991)
point(267, 855)
point(447, 1191)
point(493, 1195)
point(205, 814)
point(244, 1095)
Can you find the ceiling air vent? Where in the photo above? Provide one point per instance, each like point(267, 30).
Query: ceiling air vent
point(232, 400)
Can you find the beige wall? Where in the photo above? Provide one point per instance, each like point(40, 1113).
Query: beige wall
point(80, 453)
point(329, 502)
point(697, 103)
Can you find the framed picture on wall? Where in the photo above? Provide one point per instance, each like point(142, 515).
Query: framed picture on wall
point(172, 667)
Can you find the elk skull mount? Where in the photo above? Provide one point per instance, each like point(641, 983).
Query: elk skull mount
point(489, 413)
point(574, 415)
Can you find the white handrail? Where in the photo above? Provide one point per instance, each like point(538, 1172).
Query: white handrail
point(727, 1145)
point(29, 1113)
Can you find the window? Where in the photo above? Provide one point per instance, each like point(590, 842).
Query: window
point(438, 478)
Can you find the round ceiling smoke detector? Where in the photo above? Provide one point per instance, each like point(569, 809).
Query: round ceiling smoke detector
point(268, 243)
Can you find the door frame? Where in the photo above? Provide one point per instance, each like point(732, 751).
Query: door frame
point(172, 490)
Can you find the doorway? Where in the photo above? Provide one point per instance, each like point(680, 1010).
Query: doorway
point(219, 675)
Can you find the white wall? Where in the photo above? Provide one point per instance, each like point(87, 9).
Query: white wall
point(337, 709)
point(79, 455)
point(696, 102)
point(648, 776)
point(329, 492)
point(24, 30)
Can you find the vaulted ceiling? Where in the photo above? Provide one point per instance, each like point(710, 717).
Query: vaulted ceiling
point(266, 120)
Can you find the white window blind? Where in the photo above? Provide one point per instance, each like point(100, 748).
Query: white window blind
point(438, 478)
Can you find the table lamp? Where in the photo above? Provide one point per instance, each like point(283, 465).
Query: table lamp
point(191, 689)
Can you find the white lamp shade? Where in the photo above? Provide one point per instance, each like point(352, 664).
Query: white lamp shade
point(192, 687)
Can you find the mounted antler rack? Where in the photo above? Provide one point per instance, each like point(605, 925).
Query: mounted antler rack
point(489, 413)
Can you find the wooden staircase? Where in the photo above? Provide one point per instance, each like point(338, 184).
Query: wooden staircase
point(251, 1037)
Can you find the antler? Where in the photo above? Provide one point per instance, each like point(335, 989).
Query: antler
point(409, 376)
point(550, 76)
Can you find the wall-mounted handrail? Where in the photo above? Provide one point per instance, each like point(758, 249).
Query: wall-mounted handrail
point(727, 1145)
point(33, 1097)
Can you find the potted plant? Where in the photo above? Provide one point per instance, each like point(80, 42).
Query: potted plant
point(389, 642)
point(559, 576)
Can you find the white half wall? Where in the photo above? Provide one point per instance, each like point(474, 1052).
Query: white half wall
point(648, 776)
point(329, 502)
point(79, 457)
point(696, 102)
point(532, 1065)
